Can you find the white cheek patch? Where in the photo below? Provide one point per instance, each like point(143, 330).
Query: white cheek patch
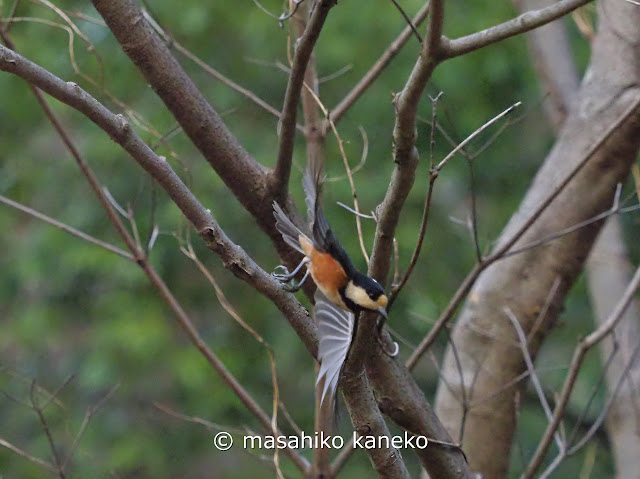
point(360, 297)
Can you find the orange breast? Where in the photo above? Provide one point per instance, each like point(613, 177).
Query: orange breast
point(327, 271)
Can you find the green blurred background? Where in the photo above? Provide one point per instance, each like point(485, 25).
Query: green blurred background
point(68, 308)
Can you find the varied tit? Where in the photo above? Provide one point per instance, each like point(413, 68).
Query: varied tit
point(342, 292)
point(326, 260)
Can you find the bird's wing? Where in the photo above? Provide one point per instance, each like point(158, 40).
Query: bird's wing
point(335, 329)
point(290, 232)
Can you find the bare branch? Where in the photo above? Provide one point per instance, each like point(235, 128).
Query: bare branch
point(85, 422)
point(286, 127)
point(576, 363)
point(47, 465)
point(408, 20)
point(235, 258)
point(378, 67)
point(69, 229)
point(468, 282)
point(522, 23)
point(57, 460)
point(171, 41)
point(476, 133)
point(537, 386)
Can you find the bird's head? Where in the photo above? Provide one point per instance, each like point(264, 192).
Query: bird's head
point(366, 293)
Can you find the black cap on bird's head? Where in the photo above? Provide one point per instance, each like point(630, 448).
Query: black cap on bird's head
point(365, 293)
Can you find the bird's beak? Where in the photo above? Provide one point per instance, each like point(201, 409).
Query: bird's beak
point(383, 313)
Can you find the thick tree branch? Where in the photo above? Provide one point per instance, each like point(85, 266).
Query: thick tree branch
point(247, 179)
point(368, 422)
point(396, 390)
point(608, 271)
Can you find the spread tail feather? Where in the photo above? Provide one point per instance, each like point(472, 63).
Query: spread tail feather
point(312, 184)
point(335, 329)
point(290, 232)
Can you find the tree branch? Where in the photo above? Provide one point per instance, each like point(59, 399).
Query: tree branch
point(405, 154)
point(233, 256)
point(287, 125)
point(503, 249)
point(247, 179)
point(576, 363)
point(181, 317)
point(521, 24)
point(69, 229)
point(378, 67)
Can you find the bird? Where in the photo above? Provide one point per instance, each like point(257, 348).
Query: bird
point(342, 291)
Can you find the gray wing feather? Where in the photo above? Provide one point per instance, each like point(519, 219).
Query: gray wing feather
point(335, 328)
point(290, 233)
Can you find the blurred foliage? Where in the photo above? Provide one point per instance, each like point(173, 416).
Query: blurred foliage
point(69, 308)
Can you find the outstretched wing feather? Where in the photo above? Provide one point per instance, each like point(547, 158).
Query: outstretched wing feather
point(335, 329)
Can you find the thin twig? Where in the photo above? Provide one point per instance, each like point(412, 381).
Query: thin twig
point(45, 427)
point(473, 275)
point(347, 168)
point(68, 229)
point(433, 175)
point(85, 422)
point(378, 67)
point(363, 158)
point(408, 20)
point(576, 363)
point(210, 426)
point(47, 465)
point(285, 16)
point(603, 414)
point(615, 209)
point(476, 133)
point(537, 386)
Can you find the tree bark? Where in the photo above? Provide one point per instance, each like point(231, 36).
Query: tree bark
point(486, 343)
